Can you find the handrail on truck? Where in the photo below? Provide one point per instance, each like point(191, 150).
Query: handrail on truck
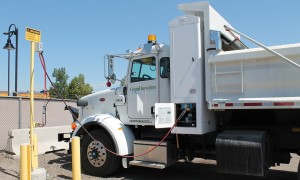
point(263, 46)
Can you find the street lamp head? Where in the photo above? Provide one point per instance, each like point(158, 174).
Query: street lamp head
point(9, 45)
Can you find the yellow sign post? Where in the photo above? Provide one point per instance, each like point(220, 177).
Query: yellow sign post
point(34, 36)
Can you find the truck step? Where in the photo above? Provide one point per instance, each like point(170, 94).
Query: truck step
point(147, 164)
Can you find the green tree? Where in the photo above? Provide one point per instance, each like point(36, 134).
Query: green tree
point(78, 87)
point(61, 83)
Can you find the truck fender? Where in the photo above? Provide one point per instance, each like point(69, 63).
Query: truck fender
point(121, 135)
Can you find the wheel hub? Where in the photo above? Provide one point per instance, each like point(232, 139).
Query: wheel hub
point(96, 153)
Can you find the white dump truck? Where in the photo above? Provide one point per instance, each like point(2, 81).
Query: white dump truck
point(206, 95)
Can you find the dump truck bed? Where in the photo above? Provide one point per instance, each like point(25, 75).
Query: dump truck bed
point(254, 79)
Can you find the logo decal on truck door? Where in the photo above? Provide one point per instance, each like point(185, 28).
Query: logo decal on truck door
point(138, 89)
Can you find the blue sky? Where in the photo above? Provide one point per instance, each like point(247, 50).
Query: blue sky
point(76, 34)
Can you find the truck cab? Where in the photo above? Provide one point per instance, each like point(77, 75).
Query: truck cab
point(148, 80)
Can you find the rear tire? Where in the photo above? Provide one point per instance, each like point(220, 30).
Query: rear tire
point(94, 158)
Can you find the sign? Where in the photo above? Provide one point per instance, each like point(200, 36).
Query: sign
point(33, 35)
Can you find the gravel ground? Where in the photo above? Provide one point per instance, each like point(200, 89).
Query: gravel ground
point(58, 166)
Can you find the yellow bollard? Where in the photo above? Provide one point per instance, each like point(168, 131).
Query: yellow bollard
point(76, 169)
point(29, 160)
point(24, 162)
point(35, 161)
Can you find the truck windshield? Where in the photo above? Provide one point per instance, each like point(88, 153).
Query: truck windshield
point(143, 69)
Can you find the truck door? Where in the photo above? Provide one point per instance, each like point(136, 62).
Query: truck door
point(142, 90)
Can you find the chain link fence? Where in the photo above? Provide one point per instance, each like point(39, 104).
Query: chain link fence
point(15, 114)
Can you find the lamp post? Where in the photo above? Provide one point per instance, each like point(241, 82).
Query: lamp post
point(9, 46)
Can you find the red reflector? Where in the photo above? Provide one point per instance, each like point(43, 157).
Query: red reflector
point(102, 99)
point(108, 83)
point(252, 104)
point(284, 104)
point(229, 104)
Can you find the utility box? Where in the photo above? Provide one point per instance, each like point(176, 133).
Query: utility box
point(164, 154)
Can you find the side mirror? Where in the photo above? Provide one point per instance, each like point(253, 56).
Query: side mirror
point(215, 39)
point(110, 68)
point(111, 73)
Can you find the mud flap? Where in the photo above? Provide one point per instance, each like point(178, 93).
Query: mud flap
point(241, 152)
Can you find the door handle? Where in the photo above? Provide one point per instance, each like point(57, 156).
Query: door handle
point(152, 109)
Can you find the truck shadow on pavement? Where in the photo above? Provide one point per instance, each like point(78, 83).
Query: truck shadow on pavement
point(63, 159)
point(179, 171)
point(193, 171)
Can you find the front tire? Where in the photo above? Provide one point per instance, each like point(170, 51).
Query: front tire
point(94, 158)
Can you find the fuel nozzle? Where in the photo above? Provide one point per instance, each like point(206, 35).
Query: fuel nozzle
point(187, 108)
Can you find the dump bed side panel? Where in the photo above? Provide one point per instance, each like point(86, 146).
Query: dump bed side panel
point(254, 79)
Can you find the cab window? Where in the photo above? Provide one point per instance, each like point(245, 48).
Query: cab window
point(143, 69)
point(165, 67)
